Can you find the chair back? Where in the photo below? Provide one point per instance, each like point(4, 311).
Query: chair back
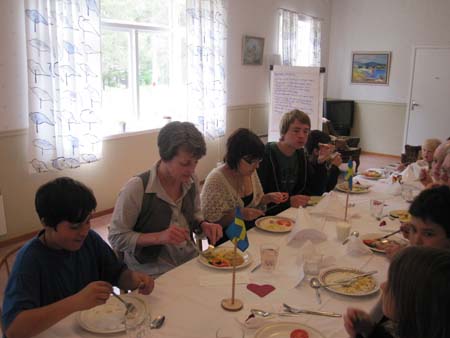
point(6, 262)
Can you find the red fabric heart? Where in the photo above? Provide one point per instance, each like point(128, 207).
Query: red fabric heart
point(261, 290)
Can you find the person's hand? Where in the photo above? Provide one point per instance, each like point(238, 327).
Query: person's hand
point(212, 230)
point(275, 197)
point(299, 200)
point(325, 151)
point(249, 214)
point(336, 160)
point(144, 283)
point(95, 293)
point(357, 321)
point(425, 177)
point(174, 234)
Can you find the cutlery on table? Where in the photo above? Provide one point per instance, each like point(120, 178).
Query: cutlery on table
point(256, 267)
point(130, 307)
point(387, 236)
point(315, 284)
point(310, 312)
point(157, 322)
point(348, 281)
point(265, 314)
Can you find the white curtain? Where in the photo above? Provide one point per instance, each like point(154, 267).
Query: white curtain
point(206, 43)
point(64, 83)
point(288, 37)
point(300, 37)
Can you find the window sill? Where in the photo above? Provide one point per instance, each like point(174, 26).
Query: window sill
point(130, 133)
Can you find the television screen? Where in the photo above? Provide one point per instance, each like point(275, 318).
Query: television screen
point(340, 113)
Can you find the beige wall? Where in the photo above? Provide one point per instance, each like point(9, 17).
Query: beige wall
point(380, 125)
point(123, 157)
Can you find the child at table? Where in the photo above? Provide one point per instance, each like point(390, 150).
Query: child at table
point(430, 220)
point(66, 267)
point(416, 297)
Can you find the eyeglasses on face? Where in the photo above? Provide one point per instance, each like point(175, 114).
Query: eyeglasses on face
point(252, 160)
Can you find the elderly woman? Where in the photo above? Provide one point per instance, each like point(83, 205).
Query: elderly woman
point(428, 178)
point(236, 183)
point(157, 211)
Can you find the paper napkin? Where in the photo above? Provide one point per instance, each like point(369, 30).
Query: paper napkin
point(356, 247)
point(332, 206)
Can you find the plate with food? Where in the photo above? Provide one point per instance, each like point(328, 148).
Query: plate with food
point(363, 286)
point(402, 215)
point(314, 200)
point(109, 317)
point(372, 174)
point(274, 224)
point(380, 246)
point(357, 188)
point(222, 258)
point(287, 330)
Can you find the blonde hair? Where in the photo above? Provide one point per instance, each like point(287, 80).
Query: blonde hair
point(288, 118)
point(431, 144)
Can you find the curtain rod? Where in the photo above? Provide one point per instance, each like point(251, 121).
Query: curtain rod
point(311, 16)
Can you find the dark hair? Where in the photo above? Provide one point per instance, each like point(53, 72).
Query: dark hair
point(64, 199)
point(288, 118)
point(433, 205)
point(243, 143)
point(314, 138)
point(418, 284)
point(176, 135)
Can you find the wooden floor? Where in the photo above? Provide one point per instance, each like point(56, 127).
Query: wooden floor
point(99, 224)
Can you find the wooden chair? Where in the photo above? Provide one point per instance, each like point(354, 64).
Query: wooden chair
point(5, 270)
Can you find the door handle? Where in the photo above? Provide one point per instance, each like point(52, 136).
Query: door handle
point(414, 104)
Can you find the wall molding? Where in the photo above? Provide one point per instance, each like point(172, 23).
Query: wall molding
point(13, 132)
point(385, 103)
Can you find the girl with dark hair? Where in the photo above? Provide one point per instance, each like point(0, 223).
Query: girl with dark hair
point(236, 183)
point(416, 297)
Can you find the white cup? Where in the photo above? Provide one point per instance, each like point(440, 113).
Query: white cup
point(342, 230)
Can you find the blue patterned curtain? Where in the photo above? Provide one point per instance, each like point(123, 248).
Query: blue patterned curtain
point(64, 83)
point(206, 42)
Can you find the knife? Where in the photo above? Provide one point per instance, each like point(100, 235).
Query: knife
point(311, 312)
point(348, 280)
point(256, 268)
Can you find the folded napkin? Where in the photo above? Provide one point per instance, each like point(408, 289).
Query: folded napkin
point(332, 206)
point(356, 247)
point(411, 175)
point(305, 229)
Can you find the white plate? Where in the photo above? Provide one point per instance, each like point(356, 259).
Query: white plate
point(335, 274)
point(396, 239)
point(108, 318)
point(372, 177)
point(247, 259)
point(284, 329)
point(362, 189)
point(269, 223)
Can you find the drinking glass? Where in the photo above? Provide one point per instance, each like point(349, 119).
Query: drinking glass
point(342, 230)
point(137, 325)
point(311, 263)
point(376, 208)
point(407, 193)
point(269, 256)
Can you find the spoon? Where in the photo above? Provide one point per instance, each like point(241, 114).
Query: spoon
point(353, 233)
point(315, 284)
point(157, 322)
point(265, 314)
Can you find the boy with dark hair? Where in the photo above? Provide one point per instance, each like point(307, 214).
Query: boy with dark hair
point(66, 267)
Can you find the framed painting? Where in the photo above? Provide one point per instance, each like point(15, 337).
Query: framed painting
point(371, 67)
point(252, 50)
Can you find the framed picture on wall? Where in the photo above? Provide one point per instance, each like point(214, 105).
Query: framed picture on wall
point(371, 67)
point(252, 50)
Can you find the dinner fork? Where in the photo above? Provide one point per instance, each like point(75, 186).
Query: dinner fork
point(130, 307)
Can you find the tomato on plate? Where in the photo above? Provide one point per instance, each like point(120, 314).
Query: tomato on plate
point(219, 262)
point(284, 222)
point(299, 333)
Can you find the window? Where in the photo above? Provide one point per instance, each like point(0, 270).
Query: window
point(143, 63)
point(299, 39)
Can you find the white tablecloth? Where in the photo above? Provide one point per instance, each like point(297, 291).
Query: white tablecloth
point(194, 311)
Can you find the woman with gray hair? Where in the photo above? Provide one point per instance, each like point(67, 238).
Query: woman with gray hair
point(157, 211)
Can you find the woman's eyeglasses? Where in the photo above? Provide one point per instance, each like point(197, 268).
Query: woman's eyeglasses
point(252, 161)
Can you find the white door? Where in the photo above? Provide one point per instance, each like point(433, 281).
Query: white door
point(429, 105)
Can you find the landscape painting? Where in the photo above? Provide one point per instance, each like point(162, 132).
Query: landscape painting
point(371, 67)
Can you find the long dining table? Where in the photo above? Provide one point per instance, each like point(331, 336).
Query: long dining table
point(190, 295)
